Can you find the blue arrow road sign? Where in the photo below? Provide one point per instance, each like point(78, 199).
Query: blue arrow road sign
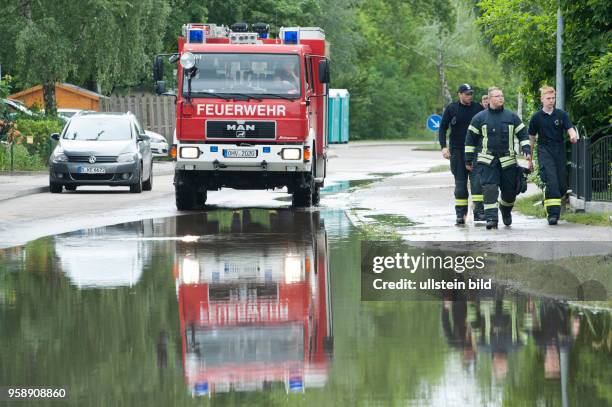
point(433, 122)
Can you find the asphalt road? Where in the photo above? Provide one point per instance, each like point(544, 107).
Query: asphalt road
point(404, 187)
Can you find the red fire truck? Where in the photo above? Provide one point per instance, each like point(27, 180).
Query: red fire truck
point(251, 111)
point(253, 315)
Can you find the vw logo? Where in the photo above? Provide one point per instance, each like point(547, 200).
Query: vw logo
point(92, 159)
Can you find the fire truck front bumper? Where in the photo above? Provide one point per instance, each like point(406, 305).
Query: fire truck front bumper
point(233, 157)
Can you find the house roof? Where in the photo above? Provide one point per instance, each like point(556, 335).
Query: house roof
point(66, 86)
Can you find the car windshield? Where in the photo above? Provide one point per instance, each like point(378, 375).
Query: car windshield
point(269, 75)
point(98, 129)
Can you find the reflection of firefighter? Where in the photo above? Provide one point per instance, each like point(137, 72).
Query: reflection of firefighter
point(549, 125)
point(554, 333)
point(491, 135)
point(458, 115)
point(458, 329)
point(254, 301)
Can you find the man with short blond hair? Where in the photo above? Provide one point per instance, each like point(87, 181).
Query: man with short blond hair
point(548, 126)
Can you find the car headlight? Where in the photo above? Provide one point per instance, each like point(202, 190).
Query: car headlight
point(59, 156)
point(126, 158)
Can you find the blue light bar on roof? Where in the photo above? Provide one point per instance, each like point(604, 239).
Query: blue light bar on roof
point(196, 35)
point(291, 37)
point(201, 389)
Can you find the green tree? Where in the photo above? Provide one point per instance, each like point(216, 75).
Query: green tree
point(523, 35)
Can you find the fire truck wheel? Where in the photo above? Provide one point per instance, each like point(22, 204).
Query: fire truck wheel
point(189, 199)
point(302, 197)
point(316, 195)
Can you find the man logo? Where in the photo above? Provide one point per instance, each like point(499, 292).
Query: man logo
point(92, 159)
point(243, 127)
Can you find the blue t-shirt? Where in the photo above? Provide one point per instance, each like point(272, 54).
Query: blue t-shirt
point(550, 128)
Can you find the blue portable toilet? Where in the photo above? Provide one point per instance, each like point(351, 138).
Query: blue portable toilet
point(333, 117)
point(344, 96)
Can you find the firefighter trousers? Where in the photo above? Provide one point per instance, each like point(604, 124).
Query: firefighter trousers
point(461, 175)
point(553, 173)
point(494, 179)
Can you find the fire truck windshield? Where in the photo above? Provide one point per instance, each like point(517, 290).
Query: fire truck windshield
point(268, 75)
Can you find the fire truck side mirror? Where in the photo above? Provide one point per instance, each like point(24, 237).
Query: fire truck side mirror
point(160, 87)
point(158, 68)
point(324, 74)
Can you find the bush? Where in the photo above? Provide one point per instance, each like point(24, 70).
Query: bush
point(39, 130)
point(22, 159)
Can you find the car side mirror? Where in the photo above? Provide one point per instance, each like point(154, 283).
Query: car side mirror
point(142, 137)
point(324, 71)
point(55, 136)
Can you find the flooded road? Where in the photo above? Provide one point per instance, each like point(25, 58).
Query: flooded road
point(262, 307)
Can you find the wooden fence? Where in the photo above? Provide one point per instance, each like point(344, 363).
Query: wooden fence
point(156, 113)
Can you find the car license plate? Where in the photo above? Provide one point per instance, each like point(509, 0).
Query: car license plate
point(91, 170)
point(236, 153)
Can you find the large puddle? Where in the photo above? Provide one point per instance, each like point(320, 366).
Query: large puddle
point(262, 307)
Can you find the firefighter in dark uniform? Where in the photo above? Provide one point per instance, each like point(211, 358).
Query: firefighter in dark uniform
point(549, 125)
point(458, 115)
point(490, 143)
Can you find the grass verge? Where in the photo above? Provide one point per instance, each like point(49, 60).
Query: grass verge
point(531, 206)
point(440, 168)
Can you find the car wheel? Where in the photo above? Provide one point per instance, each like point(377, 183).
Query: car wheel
point(55, 188)
point(137, 187)
point(148, 184)
point(70, 187)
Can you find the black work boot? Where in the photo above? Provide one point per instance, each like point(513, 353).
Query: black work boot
point(552, 220)
point(507, 218)
point(460, 220)
point(479, 217)
point(491, 224)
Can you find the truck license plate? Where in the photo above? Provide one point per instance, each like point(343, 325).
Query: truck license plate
point(236, 153)
point(91, 170)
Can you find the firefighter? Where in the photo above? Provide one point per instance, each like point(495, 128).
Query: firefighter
point(549, 124)
point(490, 142)
point(484, 101)
point(458, 115)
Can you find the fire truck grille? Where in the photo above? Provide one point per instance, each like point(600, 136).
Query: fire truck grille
point(242, 130)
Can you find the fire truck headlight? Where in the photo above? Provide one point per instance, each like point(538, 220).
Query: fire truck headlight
point(187, 60)
point(291, 153)
point(190, 272)
point(190, 152)
point(293, 270)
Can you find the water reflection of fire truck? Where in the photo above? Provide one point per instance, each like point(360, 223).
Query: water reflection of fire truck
point(254, 301)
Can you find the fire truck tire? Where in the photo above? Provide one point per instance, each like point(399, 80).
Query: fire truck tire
point(189, 199)
point(302, 197)
point(316, 195)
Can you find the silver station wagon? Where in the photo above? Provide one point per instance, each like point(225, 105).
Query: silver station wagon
point(101, 149)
